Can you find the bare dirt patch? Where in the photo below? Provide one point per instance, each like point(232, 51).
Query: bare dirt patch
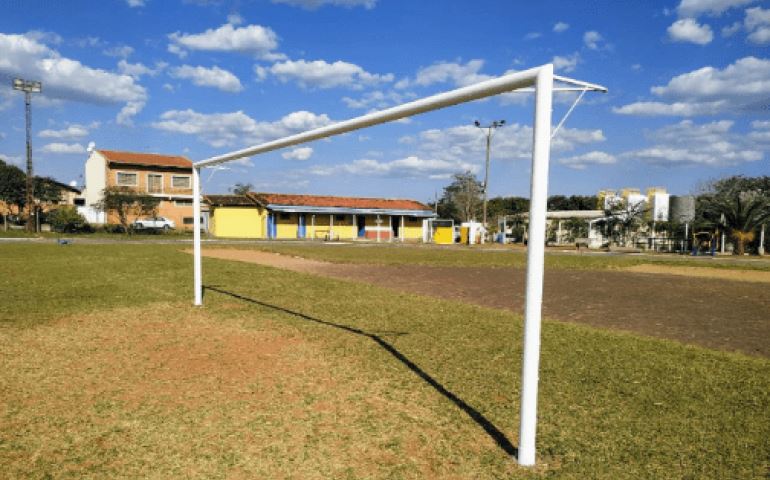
point(704, 272)
point(718, 313)
point(286, 262)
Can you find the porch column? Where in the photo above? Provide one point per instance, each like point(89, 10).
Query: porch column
point(401, 230)
point(331, 227)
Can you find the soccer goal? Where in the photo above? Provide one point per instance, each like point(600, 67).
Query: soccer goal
point(540, 80)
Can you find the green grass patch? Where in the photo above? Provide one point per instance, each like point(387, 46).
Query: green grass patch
point(108, 371)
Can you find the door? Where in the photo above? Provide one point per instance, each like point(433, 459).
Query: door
point(394, 226)
point(361, 224)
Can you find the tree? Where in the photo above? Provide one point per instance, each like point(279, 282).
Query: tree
point(125, 202)
point(462, 198)
point(621, 218)
point(573, 202)
point(739, 205)
point(241, 188)
point(12, 188)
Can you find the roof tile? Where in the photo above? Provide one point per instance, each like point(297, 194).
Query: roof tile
point(341, 202)
point(146, 159)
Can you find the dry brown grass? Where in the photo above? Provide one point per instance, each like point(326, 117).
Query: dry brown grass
point(178, 392)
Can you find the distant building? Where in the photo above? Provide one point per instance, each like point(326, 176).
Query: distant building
point(283, 216)
point(167, 177)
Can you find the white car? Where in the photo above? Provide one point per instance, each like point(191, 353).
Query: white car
point(154, 223)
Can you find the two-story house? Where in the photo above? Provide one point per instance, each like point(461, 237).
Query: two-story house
point(167, 177)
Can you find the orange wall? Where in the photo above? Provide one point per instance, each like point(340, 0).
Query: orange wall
point(142, 176)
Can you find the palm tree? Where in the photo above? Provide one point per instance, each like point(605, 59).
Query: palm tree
point(739, 212)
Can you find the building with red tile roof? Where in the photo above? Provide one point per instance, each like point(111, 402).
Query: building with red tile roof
point(288, 216)
point(167, 177)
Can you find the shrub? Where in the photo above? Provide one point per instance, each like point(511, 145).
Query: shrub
point(68, 220)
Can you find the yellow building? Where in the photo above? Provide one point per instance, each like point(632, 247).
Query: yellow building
point(281, 216)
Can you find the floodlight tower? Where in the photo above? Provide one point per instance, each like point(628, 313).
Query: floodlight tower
point(29, 87)
point(490, 130)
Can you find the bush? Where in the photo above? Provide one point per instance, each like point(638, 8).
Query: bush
point(68, 220)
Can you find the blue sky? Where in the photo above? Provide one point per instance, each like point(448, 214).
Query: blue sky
point(689, 85)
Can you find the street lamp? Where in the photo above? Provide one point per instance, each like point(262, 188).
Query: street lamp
point(490, 129)
point(29, 87)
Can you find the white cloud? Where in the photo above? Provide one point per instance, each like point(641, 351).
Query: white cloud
point(71, 132)
point(675, 109)
point(260, 72)
point(302, 153)
point(560, 27)
point(17, 160)
point(67, 79)
point(593, 40)
point(321, 74)
point(6, 98)
point(533, 36)
point(757, 23)
point(120, 51)
point(709, 90)
point(314, 4)
point(581, 162)
point(686, 143)
point(236, 128)
point(408, 167)
point(137, 70)
point(234, 19)
point(378, 99)
point(689, 30)
point(731, 29)
point(63, 148)
point(136, 3)
point(208, 77)
point(694, 8)
point(456, 73)
point(566, 63)
point(42, 36)
point(512, 142)
point(761, 133)
point(252, 40)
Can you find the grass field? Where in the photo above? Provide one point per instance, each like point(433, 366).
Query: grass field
point(108, 371)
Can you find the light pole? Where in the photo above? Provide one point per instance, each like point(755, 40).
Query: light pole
point(29, 87)
point(490, 130)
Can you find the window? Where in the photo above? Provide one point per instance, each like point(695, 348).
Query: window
point(154, 183)
point(183, 203)
point(339, 218)
point(285, 216)
point(189, 221)
point(126, 179)
point(180, 181)
point(80, 202)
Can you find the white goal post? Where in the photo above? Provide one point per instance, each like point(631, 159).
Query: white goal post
point(542, 80)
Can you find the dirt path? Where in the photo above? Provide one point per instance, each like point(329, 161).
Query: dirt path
point(715, 313)
point(704, 272)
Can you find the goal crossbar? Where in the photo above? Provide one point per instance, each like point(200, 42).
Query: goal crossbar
point(541, 81)
point(487, 88)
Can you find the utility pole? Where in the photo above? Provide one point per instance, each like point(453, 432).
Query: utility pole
point(29, 87)
point(490, 129)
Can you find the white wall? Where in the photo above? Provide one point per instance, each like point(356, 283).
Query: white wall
point(96, 178)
